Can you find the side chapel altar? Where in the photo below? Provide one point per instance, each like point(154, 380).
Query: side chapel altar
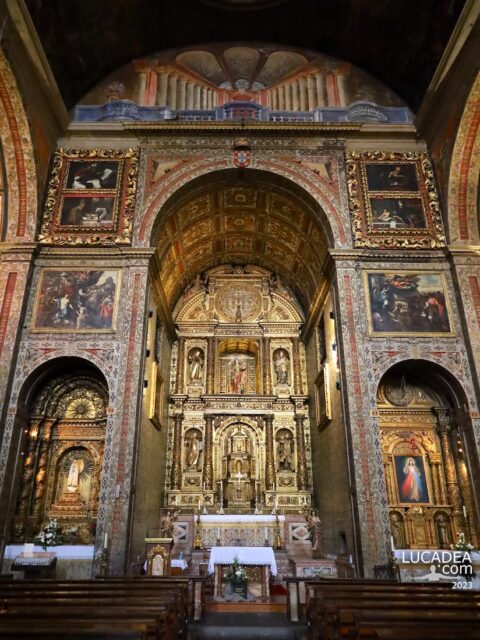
point(259, 562)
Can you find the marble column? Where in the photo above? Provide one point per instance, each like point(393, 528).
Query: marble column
point(296, 88)
point(319, 81)
point(270, 474)
point(162, 88)
point(312, 103)
point(189, 95)
point(198, 96)
point(172, 91)
point(207, 476)
point(181, 93)
point(302, 477)
point(302, 85)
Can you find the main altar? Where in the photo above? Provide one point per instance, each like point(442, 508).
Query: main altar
point(238, 426)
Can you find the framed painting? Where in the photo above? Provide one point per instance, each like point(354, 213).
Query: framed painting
point(411, 480)
point(91, 197)
point(76, 300)
point(407, 303)
point(393, 200)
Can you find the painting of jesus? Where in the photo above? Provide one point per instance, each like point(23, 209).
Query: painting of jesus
point(411, 480)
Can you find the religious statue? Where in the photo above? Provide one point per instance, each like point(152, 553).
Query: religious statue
point(314, 526)
point(196, 361)
point(281, 363)
point(442, 531)
point(238, 375)
point(74, 472)
point(285, 452)
point(197, 285)
point(396, 523)
point(193, 451)
point(167, 523)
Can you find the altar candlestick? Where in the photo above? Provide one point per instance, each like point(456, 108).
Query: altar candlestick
point(105, 541)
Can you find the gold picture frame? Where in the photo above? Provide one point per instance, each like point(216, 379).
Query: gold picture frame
point(76, 300)
point(393, 200)
point(407, 303)
point(91, 197)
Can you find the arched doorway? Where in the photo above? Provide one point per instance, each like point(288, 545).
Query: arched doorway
point(61, 450)
point(425, 443)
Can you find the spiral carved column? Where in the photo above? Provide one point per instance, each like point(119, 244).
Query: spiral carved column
point(387, 462)
point(208, 457)
point(177, 451)
point(210, 364)
point(297, 376)
point(302, 478)
point(434, 459)
point(270, 466)
point(41, 471)
point(267, 378)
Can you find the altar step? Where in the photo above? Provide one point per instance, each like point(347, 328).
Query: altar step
point(246, 626)
point(247, 607)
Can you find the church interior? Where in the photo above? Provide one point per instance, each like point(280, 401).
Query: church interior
point(239, 318)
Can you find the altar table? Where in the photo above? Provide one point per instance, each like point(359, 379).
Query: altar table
point(263, 557)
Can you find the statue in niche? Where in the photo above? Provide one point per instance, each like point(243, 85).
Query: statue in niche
point(397, 530)
point(197, 285)
point(285, 451)
point(314, 526)
point(196, 361)
point(281, 363)
point(442, 531)
point(238, 375)
point(278, 286)
point(193, 451)
point(167, 524)
point(73, 479)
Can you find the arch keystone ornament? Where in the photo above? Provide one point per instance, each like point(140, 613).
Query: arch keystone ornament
point(242, 155)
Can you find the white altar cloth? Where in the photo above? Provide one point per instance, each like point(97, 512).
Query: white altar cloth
point(248, 518)
point(245, 555)
point(64, 551)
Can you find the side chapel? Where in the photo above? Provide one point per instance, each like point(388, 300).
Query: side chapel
point(240, 288)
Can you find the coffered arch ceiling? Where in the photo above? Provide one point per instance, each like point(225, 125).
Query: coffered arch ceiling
point(241, 218)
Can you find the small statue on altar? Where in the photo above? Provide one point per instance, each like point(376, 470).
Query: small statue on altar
point(238, 376)
point(193, 450)
point(167, 524)
point(281, 363)
point(396, 523)
point(285, 452)
point(196, 361)
point(74, 472)
point(314, 525)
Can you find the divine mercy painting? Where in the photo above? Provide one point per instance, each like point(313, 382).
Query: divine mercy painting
point(405, 302)
point(76, 300)
point(411, 479)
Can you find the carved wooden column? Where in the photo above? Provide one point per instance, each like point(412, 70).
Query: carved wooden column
point(210, 364)
point(297, 375)
point(448, 461)
point(302, 478)
point(434, 459)
point(207, 478)
point(176, 479)
point(267, 377)
point(41, 470)
point(270, 462)
point(387, 462)
point(180, 366)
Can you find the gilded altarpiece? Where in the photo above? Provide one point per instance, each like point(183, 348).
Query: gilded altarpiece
point(428, 489)
point(238, 431)
point(63, 459)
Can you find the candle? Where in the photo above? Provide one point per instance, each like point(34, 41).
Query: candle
point(266, 533)
point(218, 533)
point(392, 542)
point(105, 541)
point(199, 504)
point(464, 511)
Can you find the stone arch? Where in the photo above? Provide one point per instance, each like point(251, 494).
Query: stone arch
point(17, 147)
point(464, 183)
point(333, 217)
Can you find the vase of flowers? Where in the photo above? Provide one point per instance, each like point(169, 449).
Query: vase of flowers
point(237, 578)
point(50, 535)
point(466, 548)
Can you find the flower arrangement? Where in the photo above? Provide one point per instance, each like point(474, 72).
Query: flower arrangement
point(236, 573)
point(50, 535)
point(461, 544)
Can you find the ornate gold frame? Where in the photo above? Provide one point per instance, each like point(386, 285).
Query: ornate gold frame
point(406, 334)
point(360, 195)
point(123, 195)
point(118, 282)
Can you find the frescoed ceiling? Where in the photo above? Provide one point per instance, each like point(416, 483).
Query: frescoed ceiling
point(242, 223)
point(399, 42)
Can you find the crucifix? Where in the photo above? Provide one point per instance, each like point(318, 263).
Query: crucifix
point(239, 476)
